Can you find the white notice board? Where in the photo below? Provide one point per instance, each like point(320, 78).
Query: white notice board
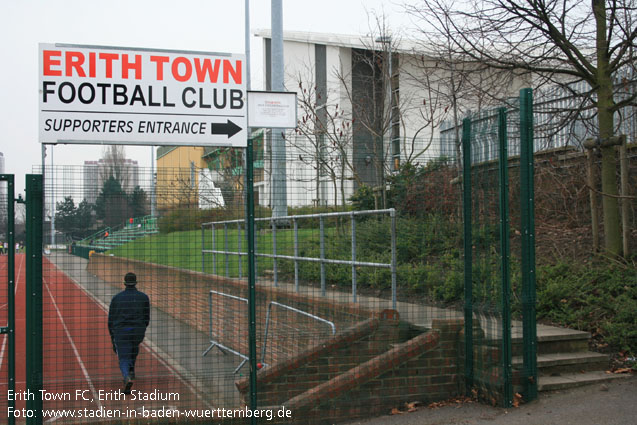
point(268, 109)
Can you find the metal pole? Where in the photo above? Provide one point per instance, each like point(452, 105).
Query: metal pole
point(239, 246)
point(252, 311)
point(10, 330)
point(274, 262)
point(353, 258)
point(468, 257)
point(392, 214)
point(225, 248)
point(322, 242)
point(256, 246)
point(247, 42)
point(34, 334)
point(203, 247)
point(52, 202)
point(527, 216)
point(214, 248)
point(296, 254)
point(279, 179)
point(503, 163)
point(153, 207)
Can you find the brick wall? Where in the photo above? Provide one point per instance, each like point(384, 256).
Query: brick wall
point(184, 294)
point(375, 362)
point(364, 372)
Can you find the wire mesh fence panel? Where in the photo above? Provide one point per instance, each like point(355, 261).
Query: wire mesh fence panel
point(129, 319)
point(9, 257)
point(357, 301)
point(359, 291)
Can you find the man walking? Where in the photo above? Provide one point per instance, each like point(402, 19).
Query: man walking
point(128, 318)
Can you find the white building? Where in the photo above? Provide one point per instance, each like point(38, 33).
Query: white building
point(350, 133)
point(97, 172)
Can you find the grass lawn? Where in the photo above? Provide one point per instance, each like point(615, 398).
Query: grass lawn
point(183, 249)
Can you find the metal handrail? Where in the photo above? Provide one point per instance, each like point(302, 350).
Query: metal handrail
point(296, 310)
point(296, 258)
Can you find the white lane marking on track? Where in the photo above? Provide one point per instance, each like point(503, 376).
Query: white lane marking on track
point(15, 291)
point(148, 344)
point(77, 354)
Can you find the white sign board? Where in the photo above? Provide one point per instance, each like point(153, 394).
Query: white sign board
point(113, 95)
point(271, 109)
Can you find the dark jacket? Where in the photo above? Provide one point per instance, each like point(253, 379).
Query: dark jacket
point(129, 313)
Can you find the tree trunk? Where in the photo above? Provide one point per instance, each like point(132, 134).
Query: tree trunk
point(610, 204)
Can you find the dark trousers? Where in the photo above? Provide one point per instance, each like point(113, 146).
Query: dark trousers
point(127, 346)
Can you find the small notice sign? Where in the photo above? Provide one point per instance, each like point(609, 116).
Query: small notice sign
point(268, 109)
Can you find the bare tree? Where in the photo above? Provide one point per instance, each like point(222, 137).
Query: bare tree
point(323, 137)
point(560, 42)
point(452, 87)
point(398, 124)
point(114, 164)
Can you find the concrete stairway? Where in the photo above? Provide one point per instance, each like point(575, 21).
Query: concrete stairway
point(564, 360)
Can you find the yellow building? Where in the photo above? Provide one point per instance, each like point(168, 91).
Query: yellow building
point(178, 169)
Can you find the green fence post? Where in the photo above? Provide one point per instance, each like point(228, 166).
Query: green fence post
point(468, 258)
point(34, 206)
point(503, 165)
point(10, 329)
point(527, 215)
point(252, 311)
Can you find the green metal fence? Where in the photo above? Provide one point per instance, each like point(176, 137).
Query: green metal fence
point(289, 337)
point(7, 290)
point(492, 337)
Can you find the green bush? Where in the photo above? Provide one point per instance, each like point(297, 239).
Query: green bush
point(184, 219)
point(598, 297)
point(601, 299)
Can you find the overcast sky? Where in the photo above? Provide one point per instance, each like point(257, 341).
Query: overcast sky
point(201, 25)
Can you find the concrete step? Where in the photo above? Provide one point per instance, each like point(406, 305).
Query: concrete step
point(552, 340)
point(556, 364)
point(570, 380)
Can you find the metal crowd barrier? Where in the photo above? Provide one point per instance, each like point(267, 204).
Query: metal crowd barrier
point(296, 258)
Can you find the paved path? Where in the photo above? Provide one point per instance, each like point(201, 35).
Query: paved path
point(613, 403)
point(176, 343)
point(421, 315)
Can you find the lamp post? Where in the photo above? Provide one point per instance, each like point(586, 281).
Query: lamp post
point(387, 40)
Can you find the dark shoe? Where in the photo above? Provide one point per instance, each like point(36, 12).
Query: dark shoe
point(128, 384)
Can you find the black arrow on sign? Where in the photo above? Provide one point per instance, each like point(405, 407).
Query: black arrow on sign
point(228, 128)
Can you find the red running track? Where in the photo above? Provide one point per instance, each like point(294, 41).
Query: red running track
point(80, 368)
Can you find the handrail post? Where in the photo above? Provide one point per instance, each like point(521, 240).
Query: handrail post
point(392, 214)
point(239, 246)
point(203, 247)
point(214, 248)
point(353, 258)
point(274, 262)
point(322, 243)
point(225, 248)
point(296, 254)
